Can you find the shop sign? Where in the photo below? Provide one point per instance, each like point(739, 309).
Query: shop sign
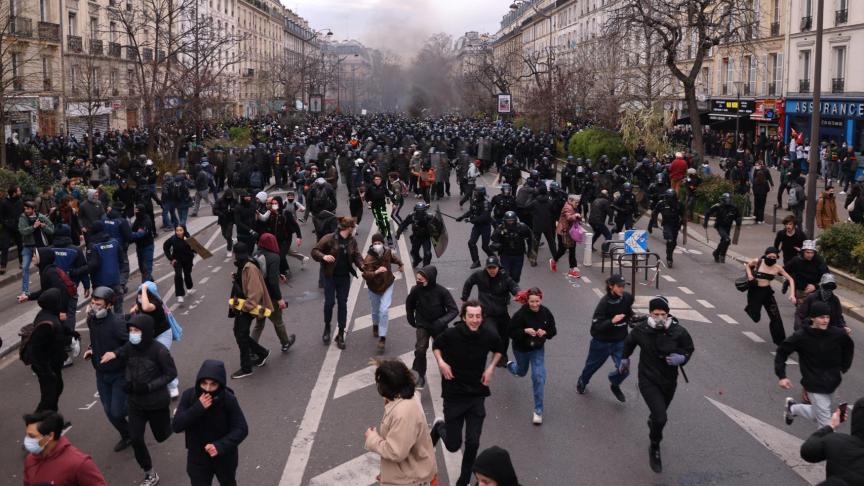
point(837, 108)
point(832, 123)
point(732, 106)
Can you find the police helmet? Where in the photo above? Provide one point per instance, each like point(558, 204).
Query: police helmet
point(509, 216)
point(725, 198)
point(627, 187)
point(505, 188)
point(421, 206)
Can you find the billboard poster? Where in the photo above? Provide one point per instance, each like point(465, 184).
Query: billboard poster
point(504, 103)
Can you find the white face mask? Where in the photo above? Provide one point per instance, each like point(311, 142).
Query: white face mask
point(275, 207)
point(378, 248)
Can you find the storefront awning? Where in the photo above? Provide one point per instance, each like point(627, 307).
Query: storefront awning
point(703, 117)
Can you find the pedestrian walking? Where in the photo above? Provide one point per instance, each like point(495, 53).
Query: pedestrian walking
point(493, 467)
point(378, 274)
point(144, 238)
point(531, 326)
point(841, 452)
point(826, 209)
point(494, 288)
point(268, 253)
point(149, 369)
point(664, 347)
point(203, 183)
point(429, 307)
point(182, 256)
point(108, 332)
point(224, 211)
point(149, 302)
point(825, 354)
point(338, 254)
point(462, 352)
point(45, 350)
point(567, 220)
point(760, 273)
point(608, 331)
point(51, 457)
point(250, 300)
point(402, 438)
point(210, 416)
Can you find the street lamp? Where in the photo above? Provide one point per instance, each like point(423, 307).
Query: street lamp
point(739, 86)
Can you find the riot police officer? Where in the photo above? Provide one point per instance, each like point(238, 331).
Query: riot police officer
point(657, 190)
point(512, 240)
point(510, 173)
point(503, 203)
point(480, 216)
point(419, 221)
point(625, 208)
point(672, 212)
point(725, 214)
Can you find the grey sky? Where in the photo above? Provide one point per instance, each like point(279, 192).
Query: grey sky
point(400, 25)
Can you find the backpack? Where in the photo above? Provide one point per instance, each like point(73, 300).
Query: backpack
point(71, 288)
point(255, 179)
point(792, 197)
point(179, 191)
point(26, 333)
point(322, 199)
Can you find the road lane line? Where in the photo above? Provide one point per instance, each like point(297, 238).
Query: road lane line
point(705, 304)
point(360, 471)
point(668, 278)
point(216, 269)
point(362, 378)
point(598, 292)
point(753, 337)
point(727, 318)
point(685, 290)
point(364, 322)
point(586, 280)
point(301, 446)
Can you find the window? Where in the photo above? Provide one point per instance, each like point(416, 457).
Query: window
point(112, 31)
point(775, 17)
point(15, 64)
point(726, 74)
point(73, 21)
point(840, 62)
point(73, 77)
point(43, 10)
point(46, 67)
point(804, 64)
point(806, 8)
point(750, 82)
point(94, 27)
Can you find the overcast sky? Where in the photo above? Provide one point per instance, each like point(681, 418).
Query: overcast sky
point(400, 25)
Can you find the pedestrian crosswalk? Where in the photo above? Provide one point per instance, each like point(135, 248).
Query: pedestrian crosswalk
point(677, 307)
point(360, 379)
point(364, 322)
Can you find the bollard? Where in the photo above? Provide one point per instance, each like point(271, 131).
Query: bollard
point(586, 258)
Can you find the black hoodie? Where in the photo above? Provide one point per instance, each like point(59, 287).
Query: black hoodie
point(844, 452)
point(49, 278)
point(430, 306)
point(147, 363)
point(47, 345)
point(824, 355)
point(654, 346)
point(495, 464)
point(222, 424)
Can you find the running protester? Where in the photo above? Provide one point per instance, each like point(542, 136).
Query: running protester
point(378, 274)
point(531, 326)
point(760, 272)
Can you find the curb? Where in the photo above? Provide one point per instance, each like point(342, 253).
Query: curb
point(849, 308)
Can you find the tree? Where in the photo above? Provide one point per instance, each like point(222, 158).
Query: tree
point(91, 91)
point(676, 23)
point(17, 56)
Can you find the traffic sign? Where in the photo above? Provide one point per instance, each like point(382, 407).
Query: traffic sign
point(635, 241)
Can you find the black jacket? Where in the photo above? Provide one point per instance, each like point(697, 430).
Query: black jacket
point(224, 209)
point(221, 424)
point(492, 292)
point(49, 278)
point(466, 352)
point(833, 303)
point(525, 318)
point(244, 218)
point(431, 306)
point(147, 363)
point(177, 249)
point(824, 357)
point(511, 241)
point(107, 334)
point(654, 346)
point(806, 271)
point(608, 307)
point(788, 244)
point(543, 215)
point(47, 346)
point(601, 209)
point(844, 453)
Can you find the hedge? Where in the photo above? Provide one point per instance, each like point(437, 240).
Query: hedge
point(28, 185)
point(591, 143)
point(708, 194)
point(842, 246)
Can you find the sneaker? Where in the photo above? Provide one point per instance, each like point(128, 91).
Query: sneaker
point(654, 458)
point(228, 254)
point(574, 272)
point(340, 340)
point(122, 444)
point(421, 382)
point(241, 373)
point(842, 193)
point(787, 411)
point(616, 390)
point(669, 263)
point(553, 265)
point(436, 431)
point(69, 362)
point(537, 419)
point(375, 330)
point(291, 339)
point(2, 270)
point(382, 343)
point(173, 392)
point(304, 261)
point(262, 360)
point(580, 386)
point(474, 265)
point(151, 479)
point(326, 336)
point(180, 299)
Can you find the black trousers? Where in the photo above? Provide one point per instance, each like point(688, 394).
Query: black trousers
point(549, 233)
point(600, 230)
point(759, 297)
point(725, 241)
point(160, 425)
point(416, 244)
point(5, 243)
point(759, 206)
point(479, 231)
point(202, 470)
point(501, 324)
point(657, 397)
point(182, 275)
point(50, 385)
point(570, 250)
point(247, 345)
point(670, 234)
point(471, 412)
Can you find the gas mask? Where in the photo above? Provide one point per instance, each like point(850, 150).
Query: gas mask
point(658, 323)
point(97, 311)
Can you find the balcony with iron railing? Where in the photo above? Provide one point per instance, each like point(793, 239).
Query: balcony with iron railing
point(724, 89)
point(18, 83)
point(806, 23)
point(96, 47)
point(131, 53)
point(803, 85)
point(49, 32)
point(113, 49)
point(841, 16)
point(75, 43)
point(772, 89)
point(775, 29)
point(115, 92)
point(838, 85)
point(20, 26)
point(147, 54)
point(46, 84)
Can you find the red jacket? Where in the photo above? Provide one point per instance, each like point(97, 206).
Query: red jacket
point(64, 466)
point(678, 170)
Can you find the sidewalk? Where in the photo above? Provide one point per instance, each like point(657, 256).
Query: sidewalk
point(755, 238)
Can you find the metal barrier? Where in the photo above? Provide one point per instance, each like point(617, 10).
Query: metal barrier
point(635, 260)
point(607, 251)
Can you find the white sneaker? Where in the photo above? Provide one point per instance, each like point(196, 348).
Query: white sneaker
point(228, 254)
point(151, 479)
point(304, 261)
point(537, 419)
point(174, 391)
point(842, 193)
point(180, 299)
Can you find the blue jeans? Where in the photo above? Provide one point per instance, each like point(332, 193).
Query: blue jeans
point(145, 261)
point(169, 218)
point(182, 214)
point(536, 359)
point(27, 255)
point(380, 304)
point(598, 353)
point(166, 338)
point(113, 398)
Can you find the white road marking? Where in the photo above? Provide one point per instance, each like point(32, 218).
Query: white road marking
point(705, 304)
point(685, 290)
point(727, 318)
point(668, 278)
point(598, 292)
point(586, 280)
point(301, 446)
point(674, 302)
point(364, 322)
point(753, 336)
point(362, 378)
point(789, 361)
point(784, 445)
point(360, 471)
point(690, 315)
point(216, 269)
point(89, 405)
point(204, 280)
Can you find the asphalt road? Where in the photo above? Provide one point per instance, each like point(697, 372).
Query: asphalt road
point(307, 409)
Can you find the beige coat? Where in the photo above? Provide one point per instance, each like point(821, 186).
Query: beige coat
point(826, 212)
point(403, 442)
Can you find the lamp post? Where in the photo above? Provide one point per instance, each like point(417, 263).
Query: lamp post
point(738, 87)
